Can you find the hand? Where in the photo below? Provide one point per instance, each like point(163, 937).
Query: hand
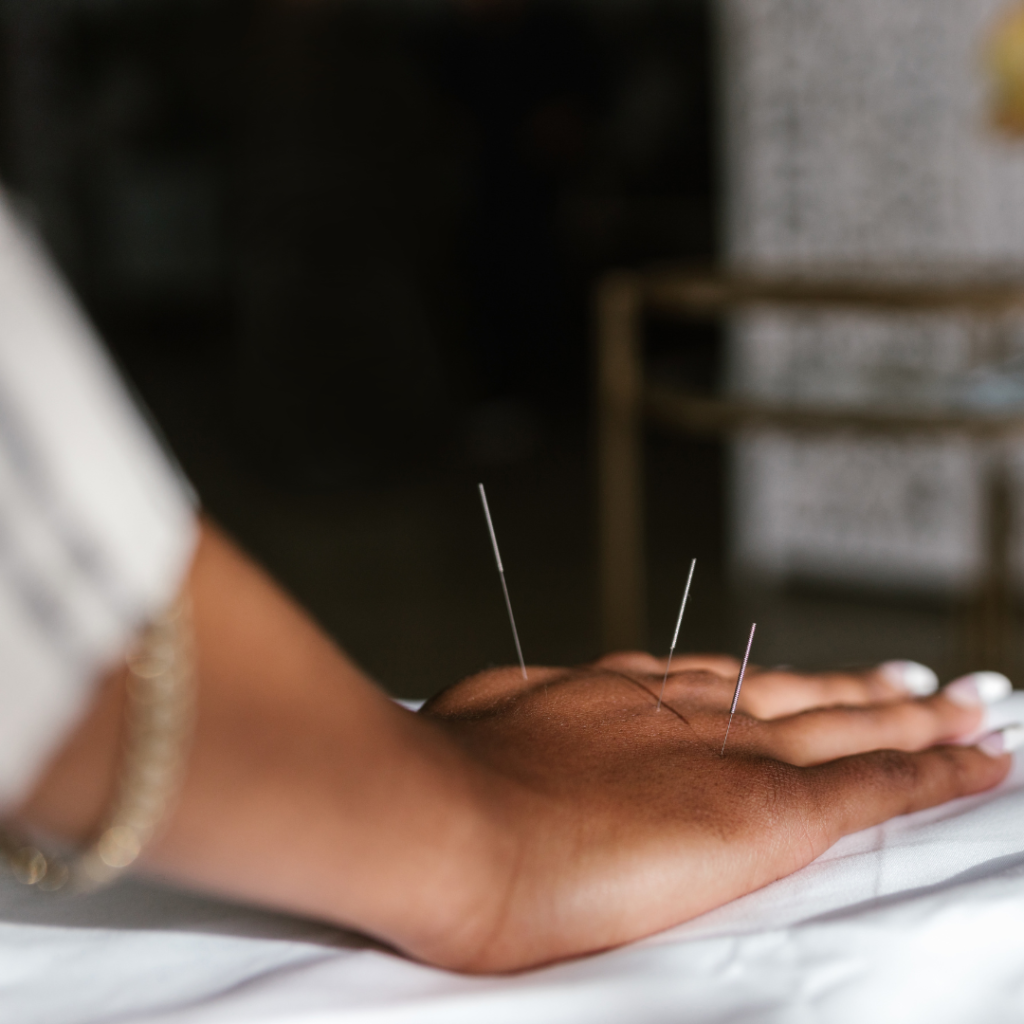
point(624, 820)
point(509, 824)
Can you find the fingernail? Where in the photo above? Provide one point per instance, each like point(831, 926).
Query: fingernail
point(917, 679)
point(978, 688)
point(1002, 742)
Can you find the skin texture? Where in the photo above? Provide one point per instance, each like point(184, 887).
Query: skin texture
point(508, 824)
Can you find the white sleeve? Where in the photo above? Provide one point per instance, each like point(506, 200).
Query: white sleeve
point(96, 526)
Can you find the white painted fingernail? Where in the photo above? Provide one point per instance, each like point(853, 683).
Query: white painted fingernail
point(978, 688)
point(917, 679)
point(995, 744)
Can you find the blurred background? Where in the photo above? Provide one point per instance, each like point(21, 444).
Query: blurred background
point(346, 252)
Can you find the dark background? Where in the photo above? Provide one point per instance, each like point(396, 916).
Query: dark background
point(345, 253)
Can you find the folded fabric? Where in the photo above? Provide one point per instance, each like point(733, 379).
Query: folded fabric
point(918, 919)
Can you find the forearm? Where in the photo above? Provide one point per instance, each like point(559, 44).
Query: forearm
point(306, 788)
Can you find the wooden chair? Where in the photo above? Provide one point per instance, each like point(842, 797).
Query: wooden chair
point(627, 399)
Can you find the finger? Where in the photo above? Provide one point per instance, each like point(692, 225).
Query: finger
point(642, 663)
point(813, 737)
point(857, 792)
point(722, 664)
point(769, 694)
point(775, 693)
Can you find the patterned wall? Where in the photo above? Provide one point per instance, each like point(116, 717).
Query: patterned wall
point(859, 143)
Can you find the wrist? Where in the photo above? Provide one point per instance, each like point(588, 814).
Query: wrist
point(458, 875)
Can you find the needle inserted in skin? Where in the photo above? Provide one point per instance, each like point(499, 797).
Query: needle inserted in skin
point(675, 636)
point(501, 574)
point(739, 683)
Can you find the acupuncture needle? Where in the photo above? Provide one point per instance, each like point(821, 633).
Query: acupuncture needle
point(501, 574)
point(675, 636)
point(739, 683)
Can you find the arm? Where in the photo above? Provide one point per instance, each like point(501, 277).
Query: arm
point(307, 787)
point(509, 824)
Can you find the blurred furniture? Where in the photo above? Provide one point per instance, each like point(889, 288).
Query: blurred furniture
point(627, 399)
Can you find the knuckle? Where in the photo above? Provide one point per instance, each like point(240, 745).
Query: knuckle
point(790, 807)
point(956, 766)
point(784, 783)
point(905, 720)
point(761, 805)
point(774, 789)
point(696, 681)
point(919, 721)
point(896, 771)
point(798, 739)
point(755, 702)
point(878, 689)
point(787, 739)
point(629, 659)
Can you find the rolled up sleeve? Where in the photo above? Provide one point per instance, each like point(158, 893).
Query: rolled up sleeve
point(97, 526)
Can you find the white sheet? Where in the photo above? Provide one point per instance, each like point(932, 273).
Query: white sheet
point(917, 920)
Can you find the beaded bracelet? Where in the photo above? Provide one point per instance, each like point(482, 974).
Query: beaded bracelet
point(158, 727)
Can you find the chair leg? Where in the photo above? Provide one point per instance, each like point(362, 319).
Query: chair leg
point(988, 633)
